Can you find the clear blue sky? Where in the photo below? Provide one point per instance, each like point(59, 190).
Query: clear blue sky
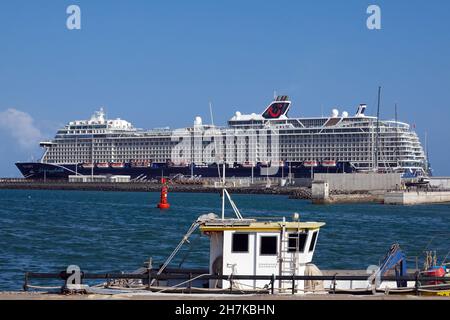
point(158, 63)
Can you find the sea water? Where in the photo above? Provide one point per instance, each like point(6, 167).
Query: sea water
point(45, 231)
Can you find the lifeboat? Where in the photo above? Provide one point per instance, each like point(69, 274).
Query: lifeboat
point(329, 163)
point(201, 165)
point(141, 164)
point(102, 165)
point(117, 165)
point(264, 164)
point(182, 164)
point(248, 164)
point(87, 165)
point(310, 163)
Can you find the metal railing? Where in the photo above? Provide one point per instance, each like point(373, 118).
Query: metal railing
point(148, 278)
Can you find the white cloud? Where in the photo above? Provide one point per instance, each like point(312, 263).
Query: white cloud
point(20, 126)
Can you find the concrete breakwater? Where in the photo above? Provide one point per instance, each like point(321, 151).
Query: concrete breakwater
point(292, 192)
point(321, 194)
point(355, 197)
point(416, 197)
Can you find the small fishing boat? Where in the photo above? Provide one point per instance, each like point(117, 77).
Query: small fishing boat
point(419, 182)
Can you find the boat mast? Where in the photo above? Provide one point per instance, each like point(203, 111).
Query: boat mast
point(218, 156)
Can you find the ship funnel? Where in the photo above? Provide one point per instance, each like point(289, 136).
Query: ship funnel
point(277, 108)
point(361, 110)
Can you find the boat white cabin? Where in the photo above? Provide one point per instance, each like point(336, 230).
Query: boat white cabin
point(250, 247)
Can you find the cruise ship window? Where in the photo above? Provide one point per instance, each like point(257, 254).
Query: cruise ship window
point(239, 242)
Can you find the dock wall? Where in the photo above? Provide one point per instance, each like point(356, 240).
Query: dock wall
point(416, 197)
point(360, 181)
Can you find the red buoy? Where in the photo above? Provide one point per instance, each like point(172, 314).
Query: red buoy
point(163, 204)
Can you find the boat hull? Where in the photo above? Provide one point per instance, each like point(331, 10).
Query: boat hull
point(39, 171)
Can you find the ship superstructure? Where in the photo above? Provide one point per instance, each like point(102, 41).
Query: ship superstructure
point(270, 143)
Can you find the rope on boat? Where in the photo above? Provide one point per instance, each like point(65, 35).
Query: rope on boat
point(127, 288)
point(193, 227)
point(191, 246)
point(184, 282)
point(233, 205)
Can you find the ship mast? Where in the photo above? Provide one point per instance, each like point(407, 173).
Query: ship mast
point(396, 136)
point(427, 165)
point(92, 158)
point(76, 155)
point(377, 142)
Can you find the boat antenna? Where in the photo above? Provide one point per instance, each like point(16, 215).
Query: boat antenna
point(218, 164)
point(224, 191)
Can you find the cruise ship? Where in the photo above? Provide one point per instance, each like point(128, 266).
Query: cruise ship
point(251, 145)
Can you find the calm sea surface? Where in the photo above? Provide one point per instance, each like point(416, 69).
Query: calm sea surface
point(114, 231)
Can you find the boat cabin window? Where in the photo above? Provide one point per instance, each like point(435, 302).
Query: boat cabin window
point(313, 241)
point(239, 242)
point(297, 241)
point(268, 245)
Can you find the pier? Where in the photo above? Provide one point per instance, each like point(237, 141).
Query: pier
point(386, 188)
point(416, 197)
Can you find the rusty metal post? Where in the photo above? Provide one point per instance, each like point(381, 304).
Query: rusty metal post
point(272, 283)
